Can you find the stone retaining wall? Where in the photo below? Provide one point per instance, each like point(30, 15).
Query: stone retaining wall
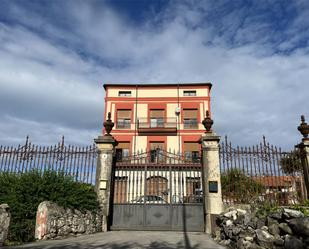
point(5, 217)
point(245, 229)
point(53, 221)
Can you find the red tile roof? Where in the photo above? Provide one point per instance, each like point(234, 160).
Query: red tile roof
point(277, 181)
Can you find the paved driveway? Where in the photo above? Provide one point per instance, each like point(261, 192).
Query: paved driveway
point(136, 240)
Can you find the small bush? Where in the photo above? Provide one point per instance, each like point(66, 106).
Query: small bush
point(24, 192)
point(237, 185)
point(264, 209)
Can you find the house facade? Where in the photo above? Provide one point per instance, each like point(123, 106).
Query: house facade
point(152, 116)
point(157, 178)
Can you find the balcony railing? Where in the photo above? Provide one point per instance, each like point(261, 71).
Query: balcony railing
point(157, 125)
point(123, 124)
point(190, 123)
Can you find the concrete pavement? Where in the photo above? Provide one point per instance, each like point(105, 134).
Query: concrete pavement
point(130, 240)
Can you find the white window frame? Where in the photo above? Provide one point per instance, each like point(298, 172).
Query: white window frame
point(124, 93)
point(189, 93)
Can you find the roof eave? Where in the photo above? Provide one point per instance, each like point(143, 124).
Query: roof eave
point(105, 85)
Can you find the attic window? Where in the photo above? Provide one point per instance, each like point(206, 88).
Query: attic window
point(124, 93)
point(189, 93)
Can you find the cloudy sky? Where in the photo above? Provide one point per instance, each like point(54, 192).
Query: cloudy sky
point(55, 56)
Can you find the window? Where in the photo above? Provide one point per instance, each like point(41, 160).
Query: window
point(190, 118)
point(195, 156)
point(190, 123)
point(156, 118)
point(189, 93)
point(124, 93)
point(156, 154)
point(123, 119)
point(122, 151)
point(191, 151)
point(192, 156)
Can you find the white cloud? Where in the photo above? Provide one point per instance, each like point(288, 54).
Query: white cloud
point(50, 87)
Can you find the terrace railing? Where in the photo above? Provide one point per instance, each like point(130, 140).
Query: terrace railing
point(157, 124)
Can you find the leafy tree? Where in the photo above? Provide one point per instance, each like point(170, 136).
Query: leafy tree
point(24, 192)
point(291, 162)
point(239, 187)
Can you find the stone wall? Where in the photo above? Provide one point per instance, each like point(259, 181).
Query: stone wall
point(246, 229)
point(53, 221)
point(5, 217)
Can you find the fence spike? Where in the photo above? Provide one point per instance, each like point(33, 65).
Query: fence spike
point(27, 140)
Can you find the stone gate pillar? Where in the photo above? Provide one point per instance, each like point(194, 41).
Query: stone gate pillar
point(5, 217)
point(211, 175)
point(304, 151)
point(103, 186)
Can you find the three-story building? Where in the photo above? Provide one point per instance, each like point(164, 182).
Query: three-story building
point(152, 116)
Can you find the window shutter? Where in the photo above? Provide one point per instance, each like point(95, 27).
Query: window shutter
point(191, 146)
point(124, 114)
point(156, 113)
point(123, 145)
point(155, 145)
point(190, 113)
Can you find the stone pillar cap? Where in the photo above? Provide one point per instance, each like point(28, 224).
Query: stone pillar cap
point(212, 136)
point(106, 140)
point(4, 206)
point(303, 144)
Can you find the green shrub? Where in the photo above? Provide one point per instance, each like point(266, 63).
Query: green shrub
point(302, 208)
point(237, 185)
point(291, 162)
point(265, 209)
point(24, 192)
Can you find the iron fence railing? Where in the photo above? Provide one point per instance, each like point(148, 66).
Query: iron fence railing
point(261, 173)
point(78, 162)
point(251, 174)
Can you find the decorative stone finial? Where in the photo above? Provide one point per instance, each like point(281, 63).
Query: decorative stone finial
point(207, 122)
point(108, 125)
point(303, 127)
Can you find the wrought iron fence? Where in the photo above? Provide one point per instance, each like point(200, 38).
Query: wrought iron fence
point(248, 174)
point(78, 162)
point(261, 173)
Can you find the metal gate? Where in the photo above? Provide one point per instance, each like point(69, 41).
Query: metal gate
point(158, 190)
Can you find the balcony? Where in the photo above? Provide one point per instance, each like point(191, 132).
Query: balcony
point(157, 125)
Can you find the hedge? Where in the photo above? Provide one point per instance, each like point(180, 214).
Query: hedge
point(24, 192)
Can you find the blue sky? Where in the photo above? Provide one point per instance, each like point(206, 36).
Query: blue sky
point(55, 56)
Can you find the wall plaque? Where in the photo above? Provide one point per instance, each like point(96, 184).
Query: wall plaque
point(103, 184)
point(213, 187)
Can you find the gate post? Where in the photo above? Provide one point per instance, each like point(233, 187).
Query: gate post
point(211, 175)
point(105, 145)
point(304, 151)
